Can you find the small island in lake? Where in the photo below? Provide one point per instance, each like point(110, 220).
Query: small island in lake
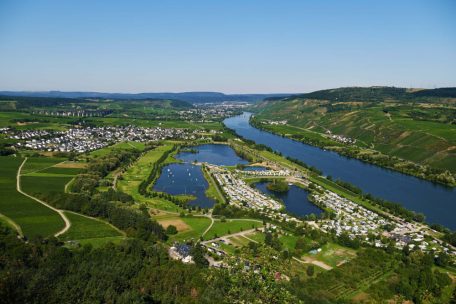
point(278, 186)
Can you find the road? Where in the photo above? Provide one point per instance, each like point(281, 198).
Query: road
point(226, 237)
point(315, 262)
point(60, 212)
point(212, 222)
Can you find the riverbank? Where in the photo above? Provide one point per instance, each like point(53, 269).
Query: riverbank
point(363, 154)
point(418, 195)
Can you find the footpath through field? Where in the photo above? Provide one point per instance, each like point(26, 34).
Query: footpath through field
point(60, 212)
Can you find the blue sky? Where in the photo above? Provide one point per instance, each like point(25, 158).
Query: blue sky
point(230, 46)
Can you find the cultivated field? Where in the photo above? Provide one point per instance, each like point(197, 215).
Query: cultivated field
point(33, 217)
point(86, 228)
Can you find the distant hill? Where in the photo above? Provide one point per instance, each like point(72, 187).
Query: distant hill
point(192, 97)
point(23, 102)
point(413, 124)
point(372, 94)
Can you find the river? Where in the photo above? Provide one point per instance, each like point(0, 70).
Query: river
point(437, 202)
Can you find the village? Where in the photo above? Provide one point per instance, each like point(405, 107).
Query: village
point(212, 111)
point(340, 138)
point(86, 139)
point(350, 218)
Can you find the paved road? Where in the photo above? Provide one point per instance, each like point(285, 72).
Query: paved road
point(60, 212)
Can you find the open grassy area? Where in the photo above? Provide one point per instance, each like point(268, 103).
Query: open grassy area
point(87, 228)
point(49, 179)
point(125, 145)
point(44, 184)
point(333, 255)
point(197, 225)
point(33, 217)
point(231, 226)
point(38, 164)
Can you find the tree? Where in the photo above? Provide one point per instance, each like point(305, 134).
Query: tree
point(171, 229)
point(197, 253)
point(310, 270)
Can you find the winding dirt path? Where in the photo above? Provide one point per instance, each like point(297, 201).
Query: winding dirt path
point(12, 223)
point(60, 212)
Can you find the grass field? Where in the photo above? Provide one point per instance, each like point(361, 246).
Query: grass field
point(138, 172)
point(84, 228)
point(197, 225)
point(33, 218)
point(38, 164)
point(230, 226)
point(44, 184)
point(333, 255)
point(48, 179)
point(125, 145)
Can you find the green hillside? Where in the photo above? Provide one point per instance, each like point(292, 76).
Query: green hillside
point(414, 125)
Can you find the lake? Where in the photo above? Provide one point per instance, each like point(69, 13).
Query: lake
point(220, 155)
point(186, 178)
point(437, 202)
point(295, 199)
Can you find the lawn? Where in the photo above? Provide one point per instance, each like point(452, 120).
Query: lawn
point(256, 236)
point(231, 226)
point(197, 226)
point(333, 255)
point(288, 241)
point(87, 228)
point(33, 217)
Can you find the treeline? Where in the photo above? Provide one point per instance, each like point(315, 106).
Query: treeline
point(44, 271)
point(23, 102)
point(303, 164)
point(396, 209)
point(155, 172)
point(6, 149)
point(98, 168)
point(115, 208)
point(391, 207)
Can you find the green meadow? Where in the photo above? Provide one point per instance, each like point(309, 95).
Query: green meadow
point(197, 225)
point(33, 218)
point(84, 228)
point(231, 226)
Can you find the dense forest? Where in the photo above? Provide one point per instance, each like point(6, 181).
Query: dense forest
point(44, 271)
